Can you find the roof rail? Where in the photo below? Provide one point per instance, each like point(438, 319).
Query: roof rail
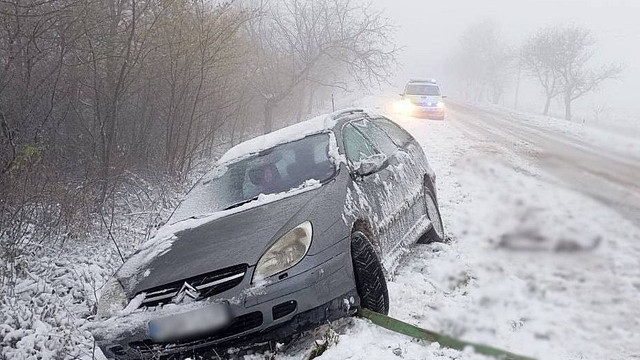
point(342, 113)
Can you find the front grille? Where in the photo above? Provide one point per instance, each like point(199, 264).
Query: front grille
point(206, 285)
point(239, 325)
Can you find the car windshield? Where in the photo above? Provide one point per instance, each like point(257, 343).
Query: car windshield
point(275, 170)
point(420, 89)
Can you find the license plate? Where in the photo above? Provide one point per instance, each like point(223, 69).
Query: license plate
point(189, 324)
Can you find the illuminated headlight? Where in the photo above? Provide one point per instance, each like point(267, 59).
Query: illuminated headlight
point(286, 252)
point(440, 105)
point(403, 106)
point(113, 299)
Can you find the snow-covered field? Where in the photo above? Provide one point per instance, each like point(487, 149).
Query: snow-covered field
point(531, 266)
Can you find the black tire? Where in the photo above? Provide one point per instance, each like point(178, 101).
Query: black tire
point(370, 281)
point(436, 232)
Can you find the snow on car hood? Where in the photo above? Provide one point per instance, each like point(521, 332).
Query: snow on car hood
point(215, 241)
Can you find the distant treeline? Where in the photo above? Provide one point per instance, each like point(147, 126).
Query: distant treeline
point(557, 58)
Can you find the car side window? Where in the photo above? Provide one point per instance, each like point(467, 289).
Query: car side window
point(356, 146)
point(395, 132)
point(378, 138)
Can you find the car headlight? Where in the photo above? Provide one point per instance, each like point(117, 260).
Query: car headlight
point(286, 252)
point(404, 106)
point(112, 300)
point(440, 105)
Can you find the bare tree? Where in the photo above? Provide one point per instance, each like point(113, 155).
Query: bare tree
point(482, 63)
point(302, 42)
point(559, 57)
point(578, 77)
point(539, 57)
point(87, 90)
point(199, 87)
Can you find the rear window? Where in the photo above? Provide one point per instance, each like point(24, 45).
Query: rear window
point(422, 89)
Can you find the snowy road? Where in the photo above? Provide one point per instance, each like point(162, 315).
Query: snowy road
point(544, 251)
point(601, 172)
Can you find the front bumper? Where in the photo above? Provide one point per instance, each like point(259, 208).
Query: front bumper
point(324, 291)
point(428, 112)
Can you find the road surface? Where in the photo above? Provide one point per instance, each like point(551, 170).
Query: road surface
point(604, 174)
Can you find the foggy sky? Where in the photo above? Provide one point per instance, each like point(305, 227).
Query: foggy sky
point(429, 32)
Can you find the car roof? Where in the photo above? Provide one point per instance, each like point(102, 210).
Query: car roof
point(423, 81)
point(319, 124)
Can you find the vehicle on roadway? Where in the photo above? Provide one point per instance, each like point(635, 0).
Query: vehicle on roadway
point(422, 98)
point(288, 231)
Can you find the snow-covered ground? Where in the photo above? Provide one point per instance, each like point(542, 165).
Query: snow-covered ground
point(47, 303)
point(544, 271)
point(532, 265)
point(611, 138)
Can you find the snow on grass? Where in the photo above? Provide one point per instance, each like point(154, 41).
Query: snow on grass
point(44, 315)
point(47, 302)
point(363, 340)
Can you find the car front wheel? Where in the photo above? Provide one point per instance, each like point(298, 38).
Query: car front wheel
point(370, 281)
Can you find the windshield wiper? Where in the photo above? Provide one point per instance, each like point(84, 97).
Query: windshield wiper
point(241, 203)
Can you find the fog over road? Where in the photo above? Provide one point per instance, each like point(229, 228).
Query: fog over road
point(604, 174)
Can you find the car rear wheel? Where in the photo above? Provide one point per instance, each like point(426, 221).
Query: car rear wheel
point(436, 232)
point(370, 281)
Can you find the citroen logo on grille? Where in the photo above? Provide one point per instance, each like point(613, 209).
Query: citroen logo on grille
point(187, 293)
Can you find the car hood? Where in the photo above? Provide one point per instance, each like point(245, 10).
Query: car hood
point(238, 238)
point(424, 99)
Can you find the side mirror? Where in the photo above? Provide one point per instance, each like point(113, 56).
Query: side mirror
point(444, 96)
point(401, 95)
point(371, 165)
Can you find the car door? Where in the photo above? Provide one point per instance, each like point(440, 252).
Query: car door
point(410, 172)
point(376, 193)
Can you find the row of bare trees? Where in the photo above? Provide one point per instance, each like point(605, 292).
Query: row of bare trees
point(95, 91)
point(479, 67)
point(558, 58)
